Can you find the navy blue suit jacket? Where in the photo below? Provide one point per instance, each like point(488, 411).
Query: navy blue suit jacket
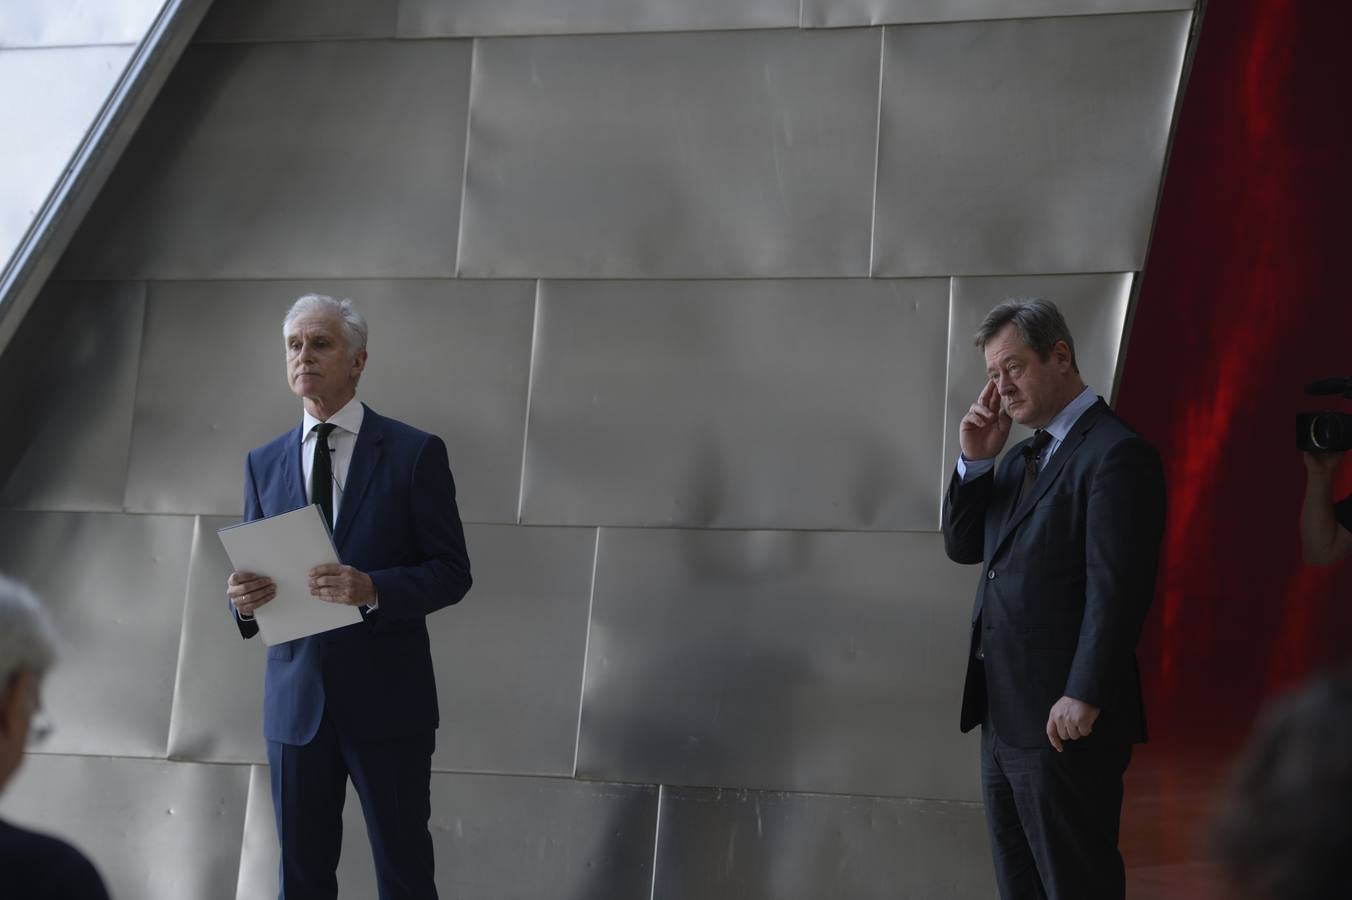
point(397, 522)
point(1069, 576)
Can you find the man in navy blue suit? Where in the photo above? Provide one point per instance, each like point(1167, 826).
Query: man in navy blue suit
point(360, 701)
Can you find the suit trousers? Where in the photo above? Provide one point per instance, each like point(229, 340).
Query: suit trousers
point(392, 779)
point(1054, 817)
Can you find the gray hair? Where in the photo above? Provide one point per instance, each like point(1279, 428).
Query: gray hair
point(354, 326)
point(27, 638)
point(1038, 322)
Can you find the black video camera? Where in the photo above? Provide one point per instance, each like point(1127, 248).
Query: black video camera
point(1326, 432)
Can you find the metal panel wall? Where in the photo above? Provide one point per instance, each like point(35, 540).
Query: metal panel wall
point(115, 585)
point(495, 838)
point(1024, 146)
point(749, 845)
point(69, 379)
point(451, 357)
point(440, 18)
point(680, 155)
point(742, 404)
point(781, 660)
point(75, 23)
point(360, 145)
point(838, 13)
point(155, 830)
point(304, 147)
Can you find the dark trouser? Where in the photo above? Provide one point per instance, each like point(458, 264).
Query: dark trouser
point(392, 779)
point(1053, 818)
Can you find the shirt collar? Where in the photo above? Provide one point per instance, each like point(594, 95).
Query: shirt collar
point(1063, 421)
point(349, 418)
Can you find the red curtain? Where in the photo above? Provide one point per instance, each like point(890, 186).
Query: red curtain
point(1244, 301)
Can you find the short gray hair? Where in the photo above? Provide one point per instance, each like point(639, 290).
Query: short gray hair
point(27, 638)
point(354, 326)
point(1038, 322)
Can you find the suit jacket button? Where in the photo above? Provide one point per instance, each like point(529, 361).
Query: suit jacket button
point(991, 575)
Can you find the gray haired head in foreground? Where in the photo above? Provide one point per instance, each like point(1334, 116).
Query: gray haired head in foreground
point(354, 325)
point(27, 639)
point(1039, 323)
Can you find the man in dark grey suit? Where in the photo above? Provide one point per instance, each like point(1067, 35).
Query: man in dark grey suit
point(1068, 527)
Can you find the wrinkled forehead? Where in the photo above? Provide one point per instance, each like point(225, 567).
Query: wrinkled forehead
point(316, 324)
point(1008, 344)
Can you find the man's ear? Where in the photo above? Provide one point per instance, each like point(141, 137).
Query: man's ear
point(1061, 354)
point(358, 363)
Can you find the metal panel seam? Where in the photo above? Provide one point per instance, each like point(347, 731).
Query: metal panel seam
point(586, 649)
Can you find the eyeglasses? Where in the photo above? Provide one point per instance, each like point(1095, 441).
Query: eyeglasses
point(39, 726)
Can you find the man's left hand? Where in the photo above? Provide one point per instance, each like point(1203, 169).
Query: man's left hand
point(1070, 719)
point(342, 584)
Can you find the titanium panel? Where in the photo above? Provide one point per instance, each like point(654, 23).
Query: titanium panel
point(43, 128)
point(114, 585)
point(746, 845)
point(333, 159)
point(515, 712)
point(531, 593)
point(794, 661)
point(450, 357)
point(495, 838)
point(671, 155)
point(439, 18)
point(737, 404)
point(75, 23)
point(69, 380)
point(1095, 307)
point(217, 712)
point(844, 13)
point(268, 20)
point(1024, 146)
point(155, 830)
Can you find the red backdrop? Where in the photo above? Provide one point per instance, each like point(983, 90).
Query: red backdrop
point(1244, 301)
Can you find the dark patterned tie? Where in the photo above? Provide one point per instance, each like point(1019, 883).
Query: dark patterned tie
point(321, 473)
point(1032, 463)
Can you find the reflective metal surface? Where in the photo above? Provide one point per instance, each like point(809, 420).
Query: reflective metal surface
point(748, 845)
point(509, 658)
point(44, 127)
point(75, 23)
point(251, 20)
point(450, 357)
point(781, 660)
point(115, 586)
point(155, 830)
point(436, 18)
point(1024, 146)
point(496, 838)
point(738, 404)
point(1095, 307)
point(290, 160)
point(841, 13)
point(711, 154)
point(217, 713)
point(69, 378)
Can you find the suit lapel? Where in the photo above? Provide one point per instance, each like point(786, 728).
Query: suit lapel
point(1047, 477)
point(365, 458)
point(292, 481)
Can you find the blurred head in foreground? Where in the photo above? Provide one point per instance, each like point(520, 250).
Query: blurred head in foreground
point(27, 649)
point(1284, 831)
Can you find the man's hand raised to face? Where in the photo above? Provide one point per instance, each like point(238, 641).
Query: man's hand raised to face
point(985, 428)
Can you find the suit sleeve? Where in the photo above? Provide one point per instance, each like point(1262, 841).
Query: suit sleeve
point(1123, 530)
point(442, 577)
point(253, 509)
point(965, 518)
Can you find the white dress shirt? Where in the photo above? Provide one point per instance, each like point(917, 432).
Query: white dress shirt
point(342, 440)
point(1059, 427)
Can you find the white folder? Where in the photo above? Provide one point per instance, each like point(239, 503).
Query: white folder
point(285, 548)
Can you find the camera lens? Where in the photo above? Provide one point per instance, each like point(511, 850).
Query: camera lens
point(1328, 431)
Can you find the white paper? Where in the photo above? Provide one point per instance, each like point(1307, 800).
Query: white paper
point(285, 548)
